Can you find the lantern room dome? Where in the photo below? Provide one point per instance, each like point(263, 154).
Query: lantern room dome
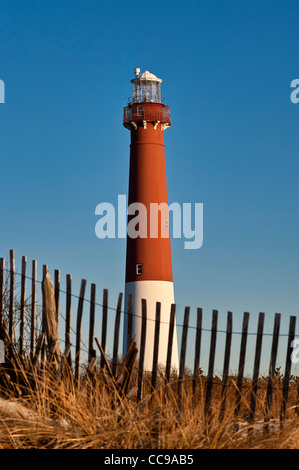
point(146, 75)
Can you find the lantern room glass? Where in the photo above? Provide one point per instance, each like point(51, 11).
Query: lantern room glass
point(146, 91)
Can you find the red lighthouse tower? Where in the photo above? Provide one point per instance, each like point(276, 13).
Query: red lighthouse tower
point(148, 259)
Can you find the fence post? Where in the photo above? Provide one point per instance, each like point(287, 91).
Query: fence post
point(116, 334)
point(33, 308)
point(130, 320)
point(49, 316)
point(104, 326)
point(197, 348)
point(23, 304)
point(12, 294)
point(170, 341)
point(256, 367)
point(2, 265)
point(241, 362)
point(45, 270)
point(91, 323)
point(156, 344)
point(288, 366)
point(183, 353)
point(228, 341)
point(272, 367)
point(211, 362)
point(141, 350)
point(43, 347)
point(39, 346)
point(57, 292)
point(68, 315)
point(78, 329)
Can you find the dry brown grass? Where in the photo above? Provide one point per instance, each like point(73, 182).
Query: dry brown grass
point(90, 415)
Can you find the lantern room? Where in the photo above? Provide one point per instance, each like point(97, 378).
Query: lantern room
point(146, 87)
point(145, 104)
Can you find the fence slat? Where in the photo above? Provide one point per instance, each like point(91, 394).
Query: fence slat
point(130, 320)
point(91, 323)
point(43, 349)
point(228, 342)
point(33, 308)
point(2, 277)
point(211, 362)
point(63, 362)
point(272, 366)
point(68, 312)
point(183, 353)
point(141, 350)
point(197, 348)
point(241, 362)
point(39, 347)
point(11, 294)
point(156, 344)
point(170, 341)
point(57, 292)
point(44, 346)
point(104, 326)
point(45, 270)
point(286, 379)
point(256, 367)
point(22, 306)
point(79, 327)
point(49, 317)
point(106, 363)
point(116, 334)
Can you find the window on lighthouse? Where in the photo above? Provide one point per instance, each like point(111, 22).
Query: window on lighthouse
point(139, 110)
point(138, 268)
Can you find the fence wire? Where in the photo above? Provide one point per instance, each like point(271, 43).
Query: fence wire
point(98, 304)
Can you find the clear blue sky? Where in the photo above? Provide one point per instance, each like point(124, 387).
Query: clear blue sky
point(233, 145)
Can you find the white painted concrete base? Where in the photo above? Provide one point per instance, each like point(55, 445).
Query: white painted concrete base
point(152, 291)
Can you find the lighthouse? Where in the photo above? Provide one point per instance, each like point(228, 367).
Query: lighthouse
point(148, 256)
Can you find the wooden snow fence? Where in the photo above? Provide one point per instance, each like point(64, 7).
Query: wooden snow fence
point(126, 375)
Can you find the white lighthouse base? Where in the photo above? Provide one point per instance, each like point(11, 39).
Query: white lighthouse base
point(152, 291)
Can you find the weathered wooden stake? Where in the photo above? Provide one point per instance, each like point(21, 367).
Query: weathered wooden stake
point(57, 293)
point(130, 319)
point(183, 353)
point(228, 341)
point(68, 317)
point(272, 367)
point(241, 362)
point(91, 323)
point(170, 342)
point(287, 373)
point(197, 349)
point(211, 362)
point(156, 344)
point(33, 308)
point(23, 304)
point(256, 367)
point(2, 277)
point(104, 325)
point(116, 334)
point(79, 328)
point(141, 350)
point(49, 317)
point(12, 295)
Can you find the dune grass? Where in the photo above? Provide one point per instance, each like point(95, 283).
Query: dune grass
point(91, 414)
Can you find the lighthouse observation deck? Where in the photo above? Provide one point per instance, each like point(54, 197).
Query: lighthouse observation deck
point(146, 105)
